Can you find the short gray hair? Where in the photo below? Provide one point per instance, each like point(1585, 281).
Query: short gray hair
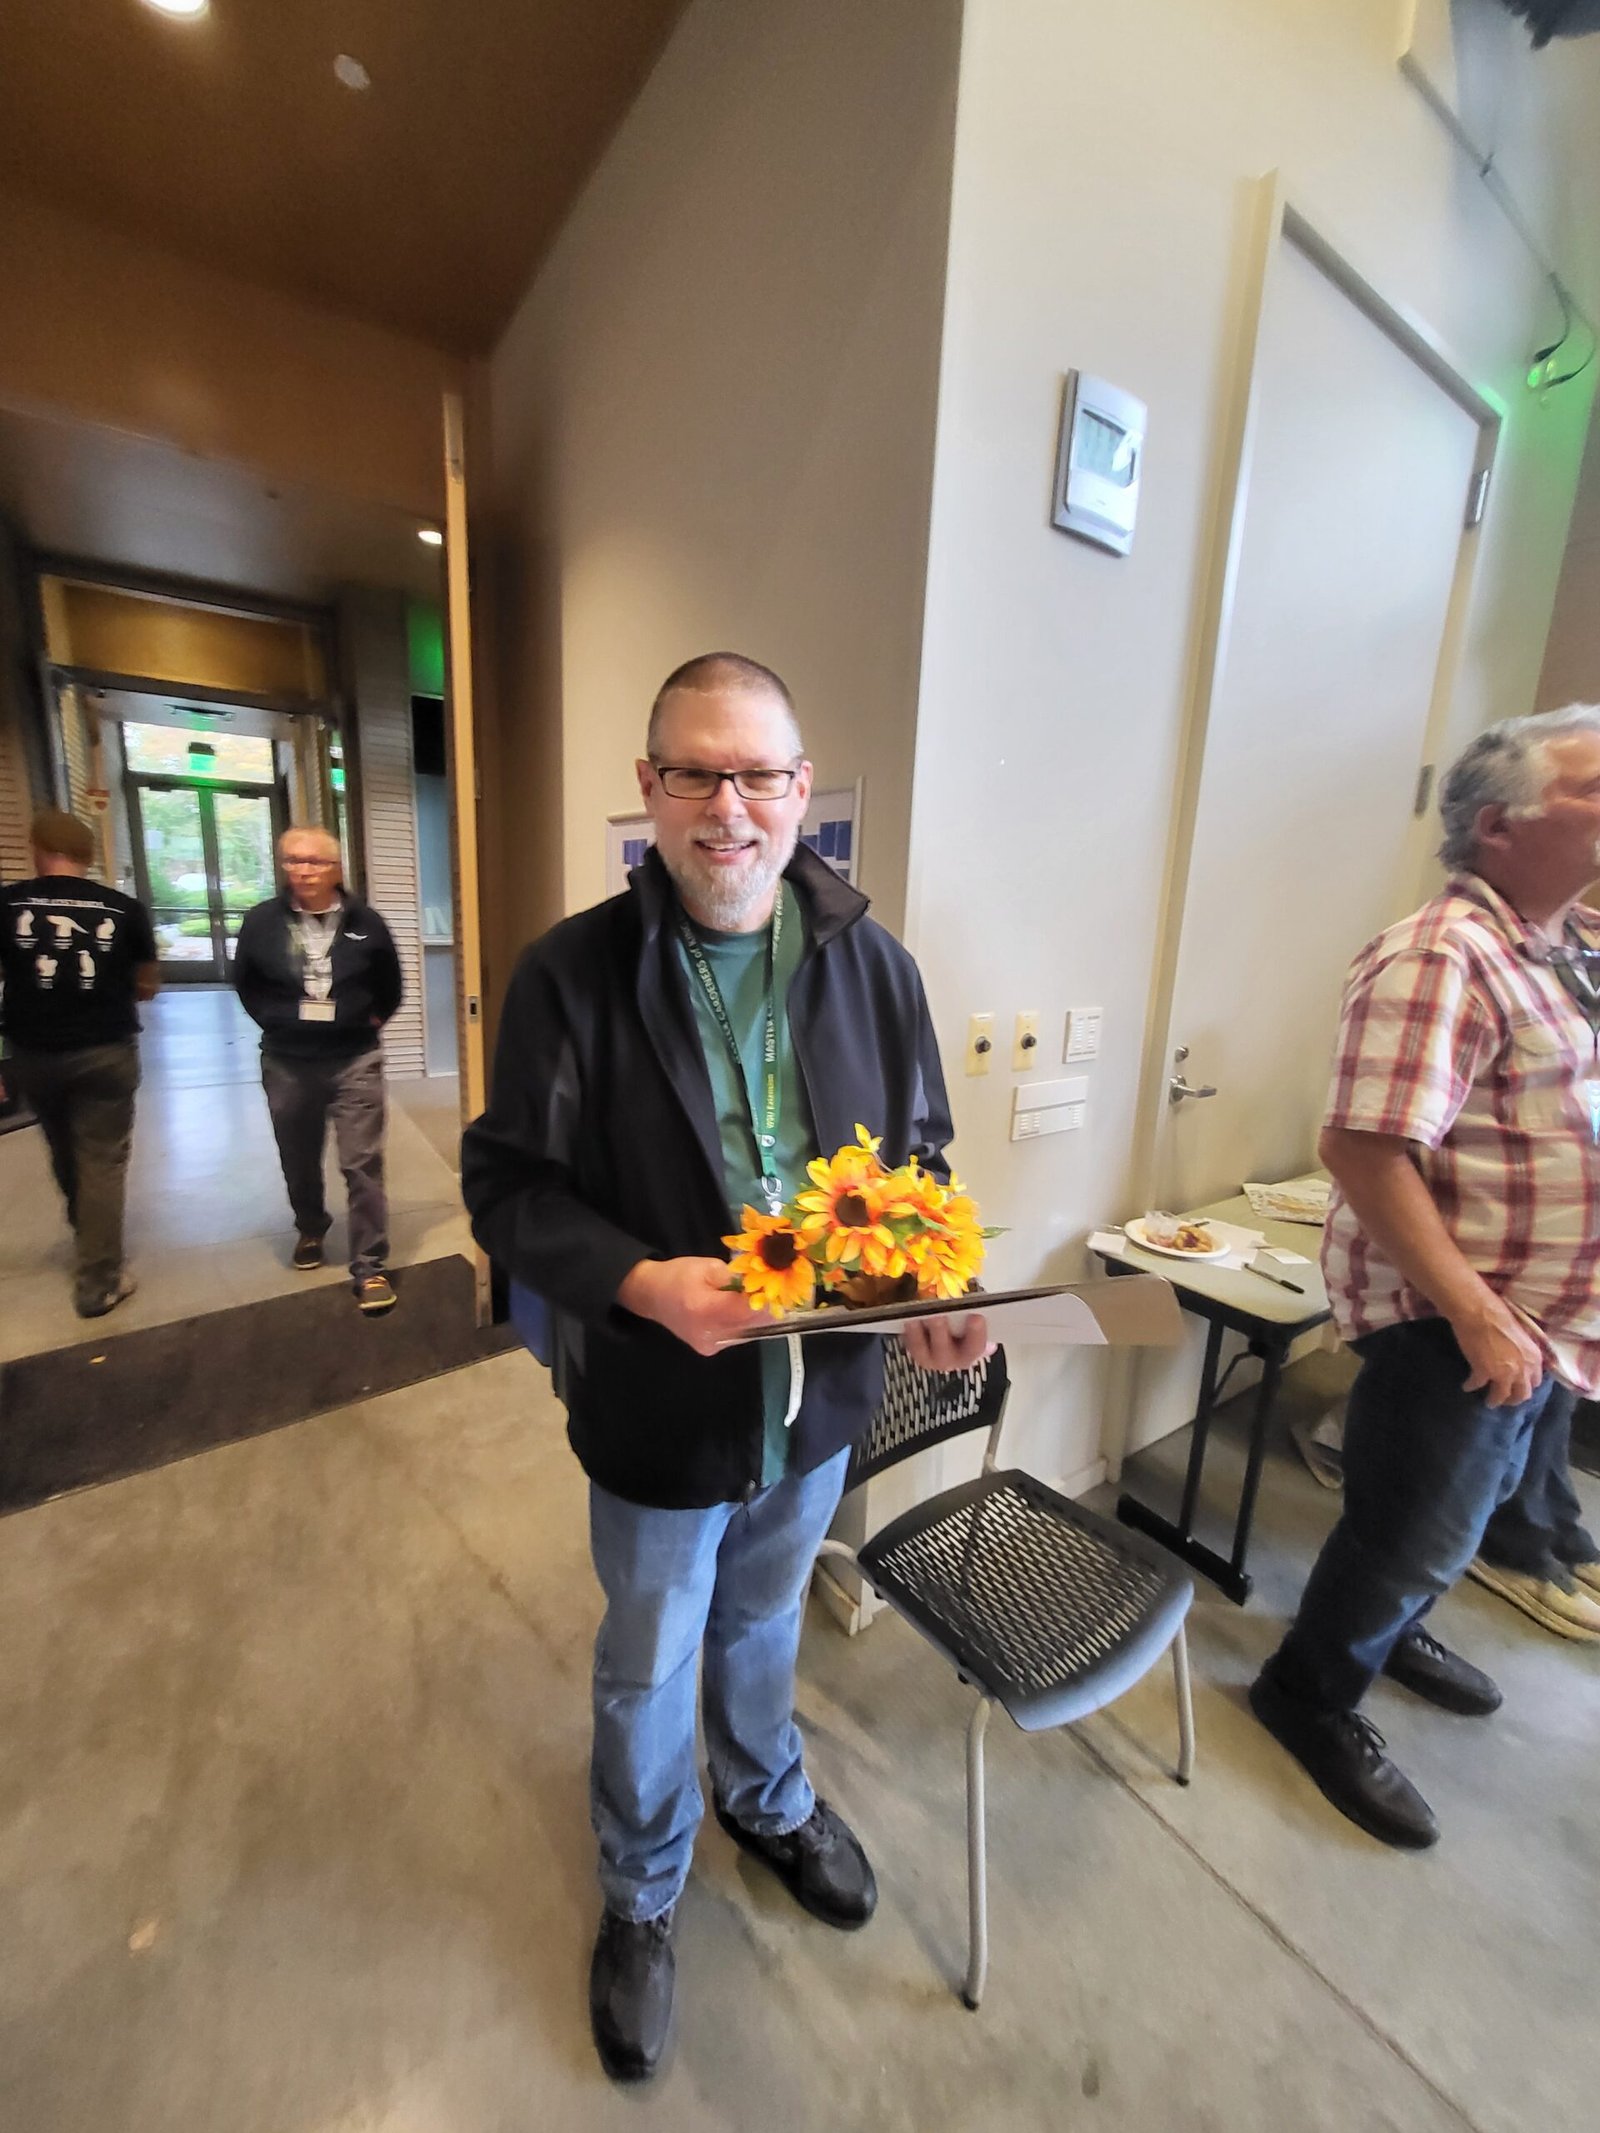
point(720, 670)
point(1508, 766)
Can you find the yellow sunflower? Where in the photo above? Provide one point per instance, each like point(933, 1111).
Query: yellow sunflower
point(842, 1220)
point(770, 1264)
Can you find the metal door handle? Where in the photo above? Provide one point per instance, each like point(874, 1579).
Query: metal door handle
point(1178, 1088)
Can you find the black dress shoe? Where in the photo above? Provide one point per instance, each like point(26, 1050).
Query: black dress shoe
point(821, 1864)
point(1342, 1753)
point(630, 1994)
point(1443, 1677)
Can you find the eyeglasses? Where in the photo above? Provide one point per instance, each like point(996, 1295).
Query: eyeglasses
point(680, 783)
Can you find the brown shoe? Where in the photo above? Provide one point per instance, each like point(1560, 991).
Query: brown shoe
point(375, 1296)
point(307, 1253)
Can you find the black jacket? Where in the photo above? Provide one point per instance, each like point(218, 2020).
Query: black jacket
point(600, 1148)
point(267, 975)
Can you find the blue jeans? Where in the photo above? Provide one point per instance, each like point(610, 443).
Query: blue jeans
point(1539, 1528)
point(1425, 1466)
point(727, 1586)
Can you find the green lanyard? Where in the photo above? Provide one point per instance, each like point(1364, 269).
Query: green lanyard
point(764, 1130)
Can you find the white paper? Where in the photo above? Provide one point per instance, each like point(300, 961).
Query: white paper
point(1303, 1199)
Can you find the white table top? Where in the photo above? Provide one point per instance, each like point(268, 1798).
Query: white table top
point(1237, 1287)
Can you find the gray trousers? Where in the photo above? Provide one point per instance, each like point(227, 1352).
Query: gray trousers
point(83, 1100)
point(302, 1096)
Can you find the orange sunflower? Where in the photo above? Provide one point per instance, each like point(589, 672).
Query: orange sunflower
point(946, 1246)
point(770, 1264)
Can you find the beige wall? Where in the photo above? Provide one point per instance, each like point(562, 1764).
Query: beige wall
point(1111, 232)
point(711, 424)
point(1572, 656)
point(713, 421)
point(108, 331)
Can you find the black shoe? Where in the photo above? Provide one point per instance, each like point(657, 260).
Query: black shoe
point(307, 1253)
point(630, 1994)
point(375, 1294)
point(95, 1303)
point(821, 1863)
point(1442, 1677)
point(1342, 1753)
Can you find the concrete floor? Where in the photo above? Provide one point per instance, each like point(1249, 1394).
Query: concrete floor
point(293, 1836)
point(208, 1221)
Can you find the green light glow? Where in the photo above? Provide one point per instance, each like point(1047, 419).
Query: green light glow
point(425, 637)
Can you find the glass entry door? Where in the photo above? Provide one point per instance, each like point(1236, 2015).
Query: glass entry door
point(203, 856)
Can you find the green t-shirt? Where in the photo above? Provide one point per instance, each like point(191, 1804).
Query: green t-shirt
point(739, 964)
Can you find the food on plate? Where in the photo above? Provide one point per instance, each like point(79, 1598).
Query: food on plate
point(1178, 1236)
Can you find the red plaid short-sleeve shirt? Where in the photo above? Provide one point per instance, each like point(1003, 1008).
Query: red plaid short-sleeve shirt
point(1455, 1034)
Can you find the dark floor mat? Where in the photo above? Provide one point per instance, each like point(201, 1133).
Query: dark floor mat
point(108, 1408)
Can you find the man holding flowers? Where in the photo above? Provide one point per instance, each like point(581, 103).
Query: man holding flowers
point(671, 1065)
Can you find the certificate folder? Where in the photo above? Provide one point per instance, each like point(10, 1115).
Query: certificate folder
point(1124, 1311)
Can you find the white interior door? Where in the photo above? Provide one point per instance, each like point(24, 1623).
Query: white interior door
point(1354, 509)
point(1354, 517)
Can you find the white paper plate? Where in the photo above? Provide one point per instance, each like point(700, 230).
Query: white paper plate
point(1134, 1230)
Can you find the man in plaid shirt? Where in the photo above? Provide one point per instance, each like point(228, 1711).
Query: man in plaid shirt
point(1462, 1258)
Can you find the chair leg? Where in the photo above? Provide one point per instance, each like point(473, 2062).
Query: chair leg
point(1180, 1672)
point(977, 1861)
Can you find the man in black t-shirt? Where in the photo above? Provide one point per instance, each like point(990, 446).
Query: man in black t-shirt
point(75, 958)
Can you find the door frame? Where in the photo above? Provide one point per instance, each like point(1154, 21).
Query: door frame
point(461, 763)
point(1278, 219)
point(136, 782)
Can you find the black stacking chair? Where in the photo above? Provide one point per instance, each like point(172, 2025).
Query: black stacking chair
point(1043, 1607)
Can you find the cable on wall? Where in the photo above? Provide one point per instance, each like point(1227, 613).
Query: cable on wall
point(1549, 368)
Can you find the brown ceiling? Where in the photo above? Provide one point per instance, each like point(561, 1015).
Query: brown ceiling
point(423, 202)
point(95, 495)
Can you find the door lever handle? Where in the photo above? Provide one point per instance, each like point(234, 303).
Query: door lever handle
point(1178, 1088)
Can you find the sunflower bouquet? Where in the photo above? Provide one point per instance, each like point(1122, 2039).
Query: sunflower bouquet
point(862, 1235)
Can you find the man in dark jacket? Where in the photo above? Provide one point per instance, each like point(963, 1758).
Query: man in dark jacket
point(318, 970)
point(664, 1059)
point(75, 958)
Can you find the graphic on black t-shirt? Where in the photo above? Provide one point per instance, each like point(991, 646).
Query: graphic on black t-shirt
point(69, 951)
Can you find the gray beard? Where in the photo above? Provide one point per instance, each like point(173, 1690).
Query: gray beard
point(721, 903)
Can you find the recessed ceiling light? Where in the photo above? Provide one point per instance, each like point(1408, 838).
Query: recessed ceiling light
point(430, 536)
point(351, 72)
point(179, 7)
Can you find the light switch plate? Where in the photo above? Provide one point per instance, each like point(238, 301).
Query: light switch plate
point(980, 1043)
point(1083, 1033)
point(1025, 1041)
point(1032, 1123)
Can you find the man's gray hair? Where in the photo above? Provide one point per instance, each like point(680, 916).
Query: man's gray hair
point(718, 670)
point(1507, 766)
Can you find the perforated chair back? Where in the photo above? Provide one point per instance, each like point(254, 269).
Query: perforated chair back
point(923, 1407)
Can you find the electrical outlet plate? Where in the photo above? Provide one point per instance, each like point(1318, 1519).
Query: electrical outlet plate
point(980, 1043)
point(1025, 1041)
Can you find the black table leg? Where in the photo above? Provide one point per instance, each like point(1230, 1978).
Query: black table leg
point(1271, 1354)
point(1201, 1427)
point(1228, 1576)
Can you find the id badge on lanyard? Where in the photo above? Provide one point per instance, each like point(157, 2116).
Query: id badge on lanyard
point(1578, 969)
